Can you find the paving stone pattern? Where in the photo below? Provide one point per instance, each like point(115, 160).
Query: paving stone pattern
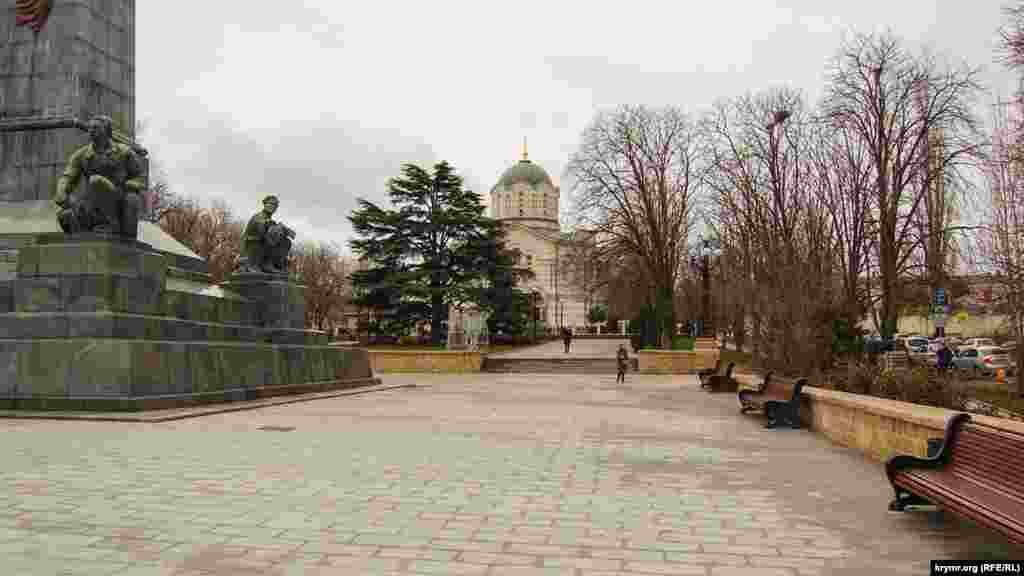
point(483, 474)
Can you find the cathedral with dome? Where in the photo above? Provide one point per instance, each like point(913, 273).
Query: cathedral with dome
point(526, 202)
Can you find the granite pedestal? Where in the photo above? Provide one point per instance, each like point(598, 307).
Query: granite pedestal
point(97, 325)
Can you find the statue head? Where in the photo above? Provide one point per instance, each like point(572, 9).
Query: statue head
point(270, 204)
point(101, 129)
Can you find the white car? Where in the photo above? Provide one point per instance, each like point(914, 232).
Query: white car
point(978, 342)
point(916, 344)
point(983, 360)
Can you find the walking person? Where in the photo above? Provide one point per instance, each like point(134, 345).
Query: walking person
point(945, 358)
point(623, 362)
point(567, 338)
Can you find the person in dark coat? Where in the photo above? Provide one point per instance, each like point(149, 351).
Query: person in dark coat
point(622, 358)
point(567, 338)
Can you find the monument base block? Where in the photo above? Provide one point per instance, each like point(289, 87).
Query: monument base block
point(109, 374)
point(98, 325)
point(284, 303)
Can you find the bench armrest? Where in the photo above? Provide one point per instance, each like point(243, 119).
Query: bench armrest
point(905, 461)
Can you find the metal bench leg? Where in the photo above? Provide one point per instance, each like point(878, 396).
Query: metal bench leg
point(904, 499)
point(781, 413)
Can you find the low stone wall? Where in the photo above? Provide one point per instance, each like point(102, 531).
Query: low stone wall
point(449, 361)
point(878, 427)
point(676, 361)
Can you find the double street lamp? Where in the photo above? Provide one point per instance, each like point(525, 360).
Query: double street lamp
point(708, 247)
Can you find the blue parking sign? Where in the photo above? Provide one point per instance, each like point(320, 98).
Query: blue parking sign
point(940, 296)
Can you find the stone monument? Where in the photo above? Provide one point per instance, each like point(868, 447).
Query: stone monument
point(98, 310)
point(262, 273)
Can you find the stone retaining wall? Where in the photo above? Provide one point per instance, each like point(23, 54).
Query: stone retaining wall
point(107, 374)
point(878, 427)
point(676, 361)
point(449, 361)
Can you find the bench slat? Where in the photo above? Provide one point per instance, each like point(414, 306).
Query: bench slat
point(968, 499)
point(996, 456)
point(985, 453)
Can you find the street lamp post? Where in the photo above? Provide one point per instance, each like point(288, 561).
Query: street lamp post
point(703, 264)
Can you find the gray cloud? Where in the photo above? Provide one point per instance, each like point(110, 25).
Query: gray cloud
point(321, 101)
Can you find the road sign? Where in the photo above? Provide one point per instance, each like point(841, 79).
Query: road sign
point(938, 310)
point(940, 295)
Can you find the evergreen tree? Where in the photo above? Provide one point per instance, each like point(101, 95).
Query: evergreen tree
point(434, 249)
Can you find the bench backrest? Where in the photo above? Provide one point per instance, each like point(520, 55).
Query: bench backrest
point(718, 366)
point(785, 387)
point(990, 456)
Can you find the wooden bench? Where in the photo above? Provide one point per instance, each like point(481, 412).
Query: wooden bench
point(722, 382)
point(706, 373)
point(978, 473)
point(777, 399)
point(744, 392)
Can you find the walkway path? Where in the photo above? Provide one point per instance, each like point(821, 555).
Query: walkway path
point(479, 474)
point(580, 348)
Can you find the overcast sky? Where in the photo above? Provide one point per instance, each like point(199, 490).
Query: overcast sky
point(320, 101)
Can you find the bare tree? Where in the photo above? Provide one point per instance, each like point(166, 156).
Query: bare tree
point(159, 197)
point(1000, 244)
point(1011, 35)
point(324, 272)
point(844, 184)
point(634, 177)
point(212, 233)
point(895, 102)
point(774, 231)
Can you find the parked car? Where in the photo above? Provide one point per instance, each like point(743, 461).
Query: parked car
point(877, 345)
point(916, 344)
point(977, 342)
point(982, 360)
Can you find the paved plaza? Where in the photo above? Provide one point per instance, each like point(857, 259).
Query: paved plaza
point(483, 474)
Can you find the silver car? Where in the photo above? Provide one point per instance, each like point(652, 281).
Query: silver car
point(982, 360)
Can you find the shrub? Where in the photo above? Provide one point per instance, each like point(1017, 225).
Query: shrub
point(682, 343)
point(914, 384)
point(887, 385)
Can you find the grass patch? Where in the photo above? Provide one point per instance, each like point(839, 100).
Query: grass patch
point(997, 395)
point(744, 360)
point(400, 348)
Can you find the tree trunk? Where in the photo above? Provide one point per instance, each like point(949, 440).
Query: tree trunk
point(1018, 390)
point(739, 329)
point(436, 309)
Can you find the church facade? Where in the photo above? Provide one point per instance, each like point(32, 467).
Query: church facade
point(527, 202)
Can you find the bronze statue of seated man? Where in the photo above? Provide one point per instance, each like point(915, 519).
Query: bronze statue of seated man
point(114, 176)
point(266, 243)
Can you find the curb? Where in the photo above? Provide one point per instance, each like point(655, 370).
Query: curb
point(183, 413)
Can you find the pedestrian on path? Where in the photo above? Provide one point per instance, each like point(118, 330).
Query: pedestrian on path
point(945, 357)
point(623, 362)
point(567, 338)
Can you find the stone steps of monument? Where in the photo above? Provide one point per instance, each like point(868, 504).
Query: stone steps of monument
point(555, 365)
point(47, 325)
